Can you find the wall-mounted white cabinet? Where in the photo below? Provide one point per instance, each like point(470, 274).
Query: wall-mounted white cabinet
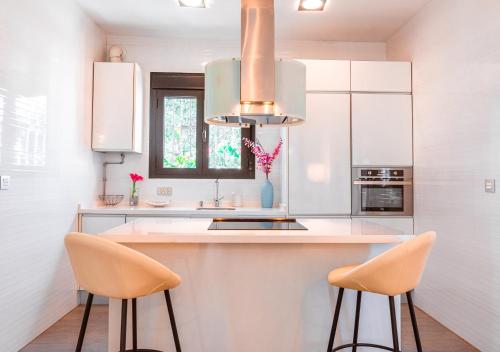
point(328, 75)
point(319, 158)
point(117, 107)
point(381, 76)
point(382, 130)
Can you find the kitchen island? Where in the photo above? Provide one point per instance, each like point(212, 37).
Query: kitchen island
point(254, 290)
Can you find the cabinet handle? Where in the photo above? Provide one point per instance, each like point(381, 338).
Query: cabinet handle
point(204, 135)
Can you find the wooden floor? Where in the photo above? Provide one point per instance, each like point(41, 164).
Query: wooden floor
point(62, 336)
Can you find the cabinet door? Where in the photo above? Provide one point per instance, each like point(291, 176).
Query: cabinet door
point(328, 75)
point(113, 107)
point(95, 224)
point(382, 130)
point(402, 226)
point(381, 76)
point(319, 158)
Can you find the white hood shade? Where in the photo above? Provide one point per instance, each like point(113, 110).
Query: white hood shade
point(258, 89)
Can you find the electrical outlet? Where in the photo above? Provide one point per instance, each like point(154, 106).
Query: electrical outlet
point(489, 186)
point(4, 182)
point(164, 191)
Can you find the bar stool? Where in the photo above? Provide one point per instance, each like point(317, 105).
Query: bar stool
point(392, 273)
point(106, 268)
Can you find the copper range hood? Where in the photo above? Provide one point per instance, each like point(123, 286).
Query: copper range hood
point(257, 89)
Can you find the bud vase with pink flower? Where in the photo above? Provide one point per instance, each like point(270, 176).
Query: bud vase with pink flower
point(264, 163)
point(134, 191)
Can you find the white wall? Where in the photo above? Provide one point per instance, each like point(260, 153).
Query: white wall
point(46, 54)
point(454, 46)
point(188, 55)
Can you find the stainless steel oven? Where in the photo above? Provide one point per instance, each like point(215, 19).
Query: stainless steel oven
point(382, 191)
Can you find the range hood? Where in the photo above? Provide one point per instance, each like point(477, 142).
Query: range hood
point(256, 89)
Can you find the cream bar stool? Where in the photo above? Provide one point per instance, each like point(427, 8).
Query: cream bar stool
point(106, 268)
point(392, 273)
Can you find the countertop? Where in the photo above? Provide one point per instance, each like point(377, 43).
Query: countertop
point(165, 230)
point(181, 211)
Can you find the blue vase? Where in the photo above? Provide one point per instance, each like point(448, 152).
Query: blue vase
point(267, 195)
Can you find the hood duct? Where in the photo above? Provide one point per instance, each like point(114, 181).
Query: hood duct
point(258, 89)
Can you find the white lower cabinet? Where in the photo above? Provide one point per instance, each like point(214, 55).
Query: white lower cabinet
point(403, 226)
point(319, 158)
point(94, 224)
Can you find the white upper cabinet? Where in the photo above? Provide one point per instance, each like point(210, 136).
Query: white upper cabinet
point(319, 158)
point(381, 76)
point(117, 107)
point(382, 129)
point(328, 75)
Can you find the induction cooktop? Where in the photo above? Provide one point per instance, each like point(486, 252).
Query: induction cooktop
point(255, 224)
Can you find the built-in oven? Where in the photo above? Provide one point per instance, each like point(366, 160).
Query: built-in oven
point(382, 191)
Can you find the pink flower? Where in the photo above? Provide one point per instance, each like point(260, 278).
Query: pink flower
point(136, 177)
point(264, 160)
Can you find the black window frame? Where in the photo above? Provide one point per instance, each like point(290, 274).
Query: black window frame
point(171, 84)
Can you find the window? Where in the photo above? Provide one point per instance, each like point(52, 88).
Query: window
point(181, 144)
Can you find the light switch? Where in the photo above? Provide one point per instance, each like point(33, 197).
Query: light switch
point(489, 186)
point(4, 182)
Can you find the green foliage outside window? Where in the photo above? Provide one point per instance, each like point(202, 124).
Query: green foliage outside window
point(179, 148)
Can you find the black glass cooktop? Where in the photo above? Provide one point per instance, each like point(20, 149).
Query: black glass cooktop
point(255, 224)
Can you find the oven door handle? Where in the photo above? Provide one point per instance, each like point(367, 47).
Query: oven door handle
point(383, 183)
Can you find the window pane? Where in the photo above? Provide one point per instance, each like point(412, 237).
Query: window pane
point(224, 147)
point(179, 121)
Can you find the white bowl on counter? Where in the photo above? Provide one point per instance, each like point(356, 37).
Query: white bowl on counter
point(157, 203)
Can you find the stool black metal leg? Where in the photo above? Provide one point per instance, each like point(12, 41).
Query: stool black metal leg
point(356, 322)
point(335, 320)
point(85, 320)
point(134, 324)
point(414, 321)
point(172, 321)
point(395, 339)
point(123, 331)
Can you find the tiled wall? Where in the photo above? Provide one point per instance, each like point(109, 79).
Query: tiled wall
point(454, 46)
point(188, 55)
point(46, 54)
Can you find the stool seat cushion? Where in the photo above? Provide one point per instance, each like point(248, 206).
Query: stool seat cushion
point(391, 273)
point(109, 269)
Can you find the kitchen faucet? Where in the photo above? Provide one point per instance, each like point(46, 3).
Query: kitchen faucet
point(217, 199)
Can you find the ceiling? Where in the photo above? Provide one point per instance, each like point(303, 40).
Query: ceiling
point(342, 20)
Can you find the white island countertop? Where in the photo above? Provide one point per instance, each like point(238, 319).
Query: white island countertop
point(166, 230)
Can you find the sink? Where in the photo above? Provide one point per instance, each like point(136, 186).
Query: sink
point(215, 208)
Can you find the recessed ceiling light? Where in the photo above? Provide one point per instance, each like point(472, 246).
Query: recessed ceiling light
point(192, 3)
point(312, 5)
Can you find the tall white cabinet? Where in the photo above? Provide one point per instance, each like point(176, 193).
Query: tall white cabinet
point(117, 107)
point(368, 100)
point(319, 158)
point(319, 165)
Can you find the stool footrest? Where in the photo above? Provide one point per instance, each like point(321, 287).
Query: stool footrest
point(360, 344)
point(142, 350)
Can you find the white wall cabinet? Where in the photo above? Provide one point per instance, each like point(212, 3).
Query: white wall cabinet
point(381, 76)
point(382, 130)
point(328, 75)
point(95, 224)
point(319, 158)
point(117, 107)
